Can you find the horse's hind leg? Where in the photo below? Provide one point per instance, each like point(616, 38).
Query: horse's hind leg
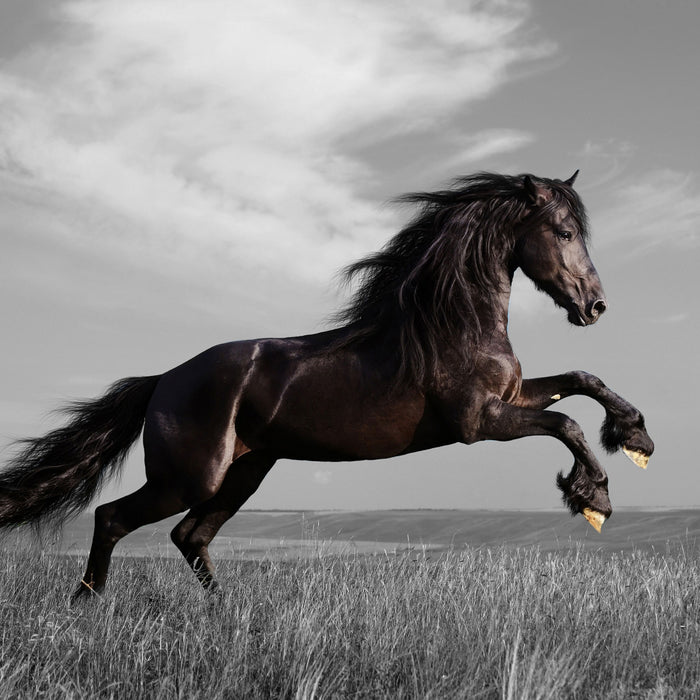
point(199, 527)
point(115, 520)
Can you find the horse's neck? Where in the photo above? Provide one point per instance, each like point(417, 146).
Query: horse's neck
point(492, 309)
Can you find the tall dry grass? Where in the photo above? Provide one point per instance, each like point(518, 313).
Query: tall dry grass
point(491, 623)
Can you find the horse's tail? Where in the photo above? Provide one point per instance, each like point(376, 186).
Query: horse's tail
point(55, 477)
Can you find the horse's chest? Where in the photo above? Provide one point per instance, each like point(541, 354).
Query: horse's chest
point(514, 375)
point(500, 375)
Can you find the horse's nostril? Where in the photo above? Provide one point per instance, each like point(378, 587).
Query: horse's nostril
point(598, 307)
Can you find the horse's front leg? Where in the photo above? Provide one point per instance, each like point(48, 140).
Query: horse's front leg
point(585, 489)
point(623, 426)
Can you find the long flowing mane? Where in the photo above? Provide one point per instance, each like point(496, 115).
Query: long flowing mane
point(419, 291)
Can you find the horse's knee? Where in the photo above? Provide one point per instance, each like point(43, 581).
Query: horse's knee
point(585, 380)
point(571, 431)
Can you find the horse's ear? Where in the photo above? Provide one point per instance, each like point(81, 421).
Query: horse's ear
point(535, 193)
point(571, 180)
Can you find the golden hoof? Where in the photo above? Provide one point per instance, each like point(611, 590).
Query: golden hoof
point(639, 458)
point(595, 518)
point(556, 397)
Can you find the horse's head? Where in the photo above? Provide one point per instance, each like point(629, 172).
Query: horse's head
point(551, 249)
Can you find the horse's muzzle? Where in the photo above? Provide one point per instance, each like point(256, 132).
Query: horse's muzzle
point(579, 315)
point(595, 309)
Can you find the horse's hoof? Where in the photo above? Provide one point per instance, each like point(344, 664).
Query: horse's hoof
point(79, 596)
point(214, 590)
point(639, 458)
point(595, 518)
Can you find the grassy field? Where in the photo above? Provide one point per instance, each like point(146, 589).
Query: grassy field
point(474, 622)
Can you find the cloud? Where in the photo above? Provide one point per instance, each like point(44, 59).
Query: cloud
point(661, 208)
point(224, 126)
point(491, 142)
point(604, 161)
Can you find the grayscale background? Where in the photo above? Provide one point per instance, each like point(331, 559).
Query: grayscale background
point(178, 174)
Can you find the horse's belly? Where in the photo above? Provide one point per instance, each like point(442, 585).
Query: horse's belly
point(313, 425)
point(330, 433)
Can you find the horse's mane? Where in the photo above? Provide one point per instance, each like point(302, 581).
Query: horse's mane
point(418, 291)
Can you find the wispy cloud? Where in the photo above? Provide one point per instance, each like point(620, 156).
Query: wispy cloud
point(491, 142)
point(662, 208)
point(223, 124)
point(605, 160)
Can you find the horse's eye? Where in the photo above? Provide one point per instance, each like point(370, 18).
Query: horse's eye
point(564, 235)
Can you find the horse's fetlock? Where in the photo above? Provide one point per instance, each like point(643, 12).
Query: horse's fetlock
point(571, 499)
point(611, 433)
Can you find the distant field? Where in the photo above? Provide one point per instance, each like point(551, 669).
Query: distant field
point(254, 534)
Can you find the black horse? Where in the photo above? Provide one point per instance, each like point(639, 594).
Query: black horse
point(420, 358)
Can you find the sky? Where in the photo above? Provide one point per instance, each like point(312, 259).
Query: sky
point(176, 174)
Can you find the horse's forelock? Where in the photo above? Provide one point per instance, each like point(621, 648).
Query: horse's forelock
point(564, 195)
